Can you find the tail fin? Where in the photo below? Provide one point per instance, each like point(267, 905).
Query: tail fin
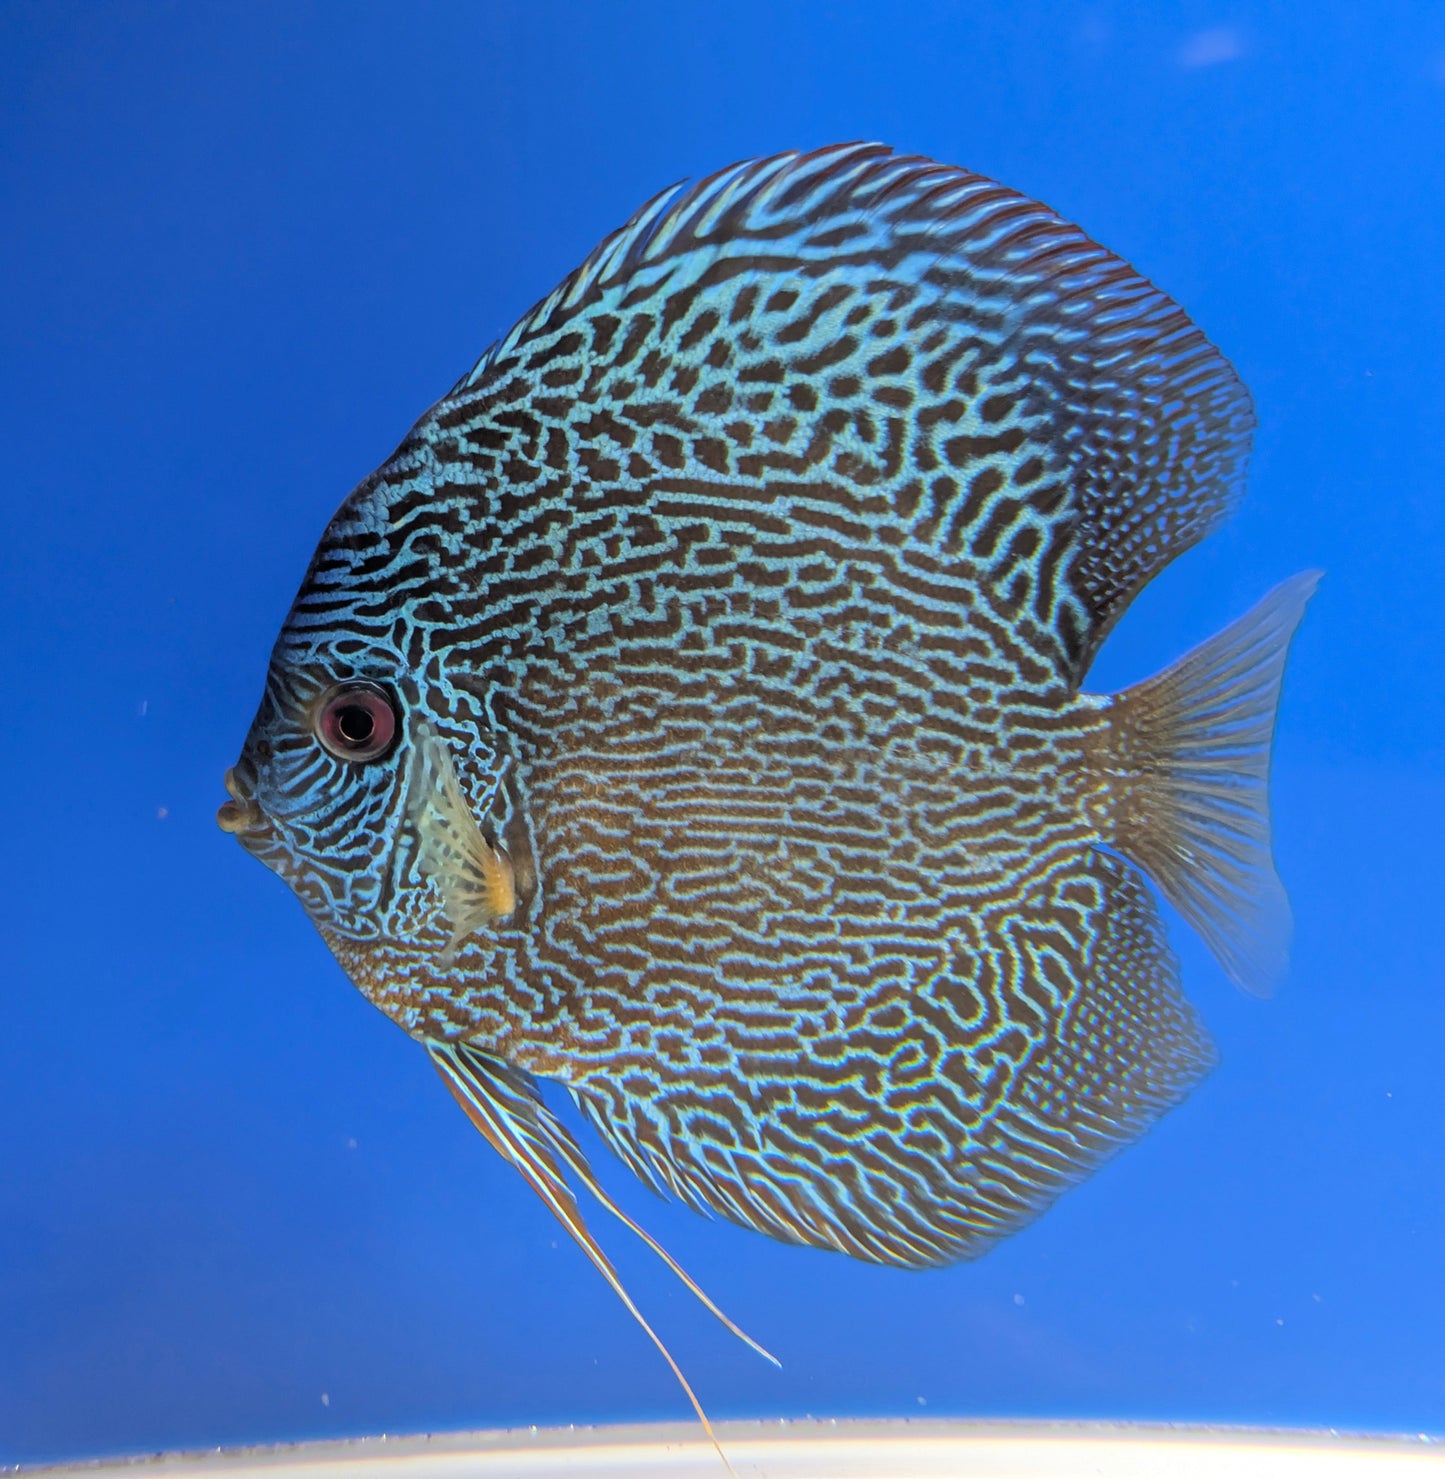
point(1190, 775)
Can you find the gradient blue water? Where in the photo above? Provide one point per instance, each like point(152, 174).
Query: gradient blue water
point(243, 246)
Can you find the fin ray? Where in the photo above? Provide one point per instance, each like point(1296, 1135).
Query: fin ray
point(1190, 748)
point(522, 1130)
point(476, 879)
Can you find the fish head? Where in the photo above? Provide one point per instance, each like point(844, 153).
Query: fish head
point(315, 792)
point(364, 783)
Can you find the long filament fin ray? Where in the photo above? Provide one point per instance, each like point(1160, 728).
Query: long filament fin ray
point(499, 1103)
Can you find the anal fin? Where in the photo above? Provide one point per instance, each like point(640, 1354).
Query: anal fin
point(949, 1183)
point(1129, 1049)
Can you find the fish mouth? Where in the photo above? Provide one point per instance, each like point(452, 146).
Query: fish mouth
point(240, 814)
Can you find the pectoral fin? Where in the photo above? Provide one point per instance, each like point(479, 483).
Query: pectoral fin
point(475, 878)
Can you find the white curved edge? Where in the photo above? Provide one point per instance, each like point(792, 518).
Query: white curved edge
point(850, 1449)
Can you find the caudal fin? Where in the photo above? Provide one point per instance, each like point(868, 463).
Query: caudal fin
point(1189, 767)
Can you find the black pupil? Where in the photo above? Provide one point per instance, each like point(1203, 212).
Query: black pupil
point(355, 724)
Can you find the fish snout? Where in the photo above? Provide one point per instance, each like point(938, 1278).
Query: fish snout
point(239, 814)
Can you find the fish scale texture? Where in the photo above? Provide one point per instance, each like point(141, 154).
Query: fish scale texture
point(752, 579)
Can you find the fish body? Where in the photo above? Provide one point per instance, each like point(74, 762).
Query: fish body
point(692, 711)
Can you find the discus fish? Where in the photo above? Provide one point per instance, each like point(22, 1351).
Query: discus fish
point(690, 711)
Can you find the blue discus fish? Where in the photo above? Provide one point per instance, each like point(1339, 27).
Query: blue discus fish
point(691, 711)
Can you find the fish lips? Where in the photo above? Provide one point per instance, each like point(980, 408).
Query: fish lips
point(240, 815)
point(253, 825)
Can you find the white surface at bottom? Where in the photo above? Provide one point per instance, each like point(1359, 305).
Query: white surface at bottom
point(813, 1450)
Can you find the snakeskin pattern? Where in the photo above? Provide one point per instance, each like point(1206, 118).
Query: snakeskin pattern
point(750, 582)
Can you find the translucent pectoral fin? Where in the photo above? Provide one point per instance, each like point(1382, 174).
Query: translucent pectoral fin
point(475, 878)
point(501, 1104)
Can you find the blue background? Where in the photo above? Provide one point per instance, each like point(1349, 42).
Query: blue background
point(243, 247)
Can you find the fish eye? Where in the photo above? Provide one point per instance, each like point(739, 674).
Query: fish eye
point(356, 721)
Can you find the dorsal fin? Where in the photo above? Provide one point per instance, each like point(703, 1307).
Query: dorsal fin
point(1068, 429)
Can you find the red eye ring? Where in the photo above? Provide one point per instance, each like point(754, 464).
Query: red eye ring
point(356, 721)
